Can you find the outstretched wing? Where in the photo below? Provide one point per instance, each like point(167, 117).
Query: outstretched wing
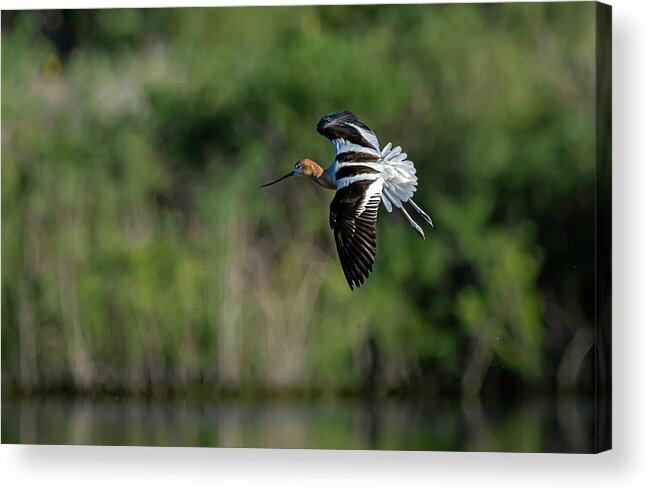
point(349, 135)
point(353, 214)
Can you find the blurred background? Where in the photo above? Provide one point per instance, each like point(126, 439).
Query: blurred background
point(143, 267)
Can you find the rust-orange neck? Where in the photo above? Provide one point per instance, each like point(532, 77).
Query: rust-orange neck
point(312, 170)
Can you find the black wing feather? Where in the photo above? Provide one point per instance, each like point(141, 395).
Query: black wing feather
point(354, 230)
point(345, 126)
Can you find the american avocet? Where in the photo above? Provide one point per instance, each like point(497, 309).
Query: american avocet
point(363, 175)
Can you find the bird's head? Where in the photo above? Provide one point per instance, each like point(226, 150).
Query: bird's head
point(302, 167)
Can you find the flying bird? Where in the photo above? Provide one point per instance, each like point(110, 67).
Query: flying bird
point(363, 176)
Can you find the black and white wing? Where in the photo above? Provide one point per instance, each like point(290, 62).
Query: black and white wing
point(353, 214)
point(349, 135)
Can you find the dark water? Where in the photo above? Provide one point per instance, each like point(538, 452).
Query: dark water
point(531, 426)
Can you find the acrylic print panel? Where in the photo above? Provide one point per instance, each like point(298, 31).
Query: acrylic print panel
point(154, 294)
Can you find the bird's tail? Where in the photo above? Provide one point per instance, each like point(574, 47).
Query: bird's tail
point(400, 182)
point(399, 175)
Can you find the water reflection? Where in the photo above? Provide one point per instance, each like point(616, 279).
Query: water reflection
point(531, 426)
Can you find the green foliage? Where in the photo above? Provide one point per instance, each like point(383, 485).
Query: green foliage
point(138, 252)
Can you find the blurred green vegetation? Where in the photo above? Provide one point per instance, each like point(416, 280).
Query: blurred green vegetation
point(139, 254)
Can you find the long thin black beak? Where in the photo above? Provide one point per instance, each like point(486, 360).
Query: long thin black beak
point(291, 173)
